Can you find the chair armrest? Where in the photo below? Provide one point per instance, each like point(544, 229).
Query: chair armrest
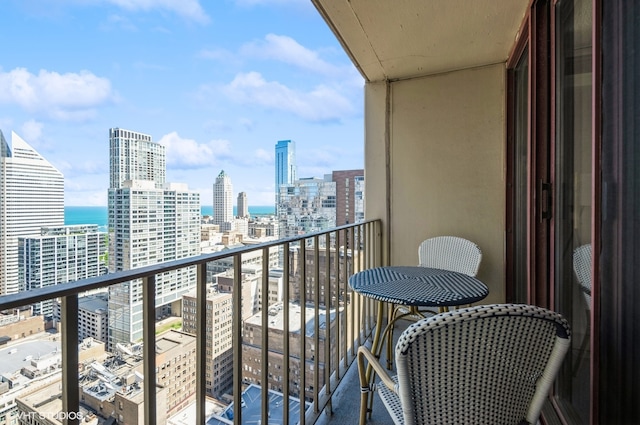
point(364, 352)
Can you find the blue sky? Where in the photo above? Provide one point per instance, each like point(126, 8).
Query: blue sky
point(218, 82)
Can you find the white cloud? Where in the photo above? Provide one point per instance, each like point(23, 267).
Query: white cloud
point(288, 50)
point(71, 96)
point(321, 104)
point(188, 9)
point(120, 22)
point(81, 168)
point(188, 153)
point(264, 156)
point(32, 131)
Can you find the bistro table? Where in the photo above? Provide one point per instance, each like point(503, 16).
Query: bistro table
point(413, 287)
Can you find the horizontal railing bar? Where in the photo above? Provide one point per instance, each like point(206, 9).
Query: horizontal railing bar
point(69, 288)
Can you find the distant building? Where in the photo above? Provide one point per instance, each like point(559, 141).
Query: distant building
point(252, 348)
point(42, 405)
point(243, 206)
point(252, 408)
point(223, 202)
point(111, 387)
point(264, 227)
point(19, 323)
point(134, 156)
point(286, 172)
point(150, 222)
point(218, 329)
point(253, 257)
point(307, 205)
point(241, 225)
point(349, 196)
point(31, 380)
point(114, 388)
point(327, 295)
point(93, 319)
point(58, 255)
point(32, 194)
point(249, 282)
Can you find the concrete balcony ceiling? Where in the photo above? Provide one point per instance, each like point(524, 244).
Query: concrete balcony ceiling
point(392, 40)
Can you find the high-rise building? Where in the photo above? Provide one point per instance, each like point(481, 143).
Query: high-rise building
point(243, 206)
point(219, 339)
point(285, 164)
point(300, 335)
point(31, 196)
point(307, 205)
point(349, 196)
point(59, 255)
point(148, 225)
point(223, 202)
point(134, 156)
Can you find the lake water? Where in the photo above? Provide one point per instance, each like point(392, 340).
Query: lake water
point(99, 215)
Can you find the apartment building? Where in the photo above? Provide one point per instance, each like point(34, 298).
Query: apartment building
point(299, 333)
point(58, 255)
point(150, 221)
point(219, 351)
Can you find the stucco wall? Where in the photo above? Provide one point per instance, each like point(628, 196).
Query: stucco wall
point(446, 154)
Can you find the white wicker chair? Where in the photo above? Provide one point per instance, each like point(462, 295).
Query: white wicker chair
point(491, 364)
point(450, 253)
point(441, 252)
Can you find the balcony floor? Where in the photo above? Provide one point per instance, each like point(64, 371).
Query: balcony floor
point(346, 398)
point(346, 404)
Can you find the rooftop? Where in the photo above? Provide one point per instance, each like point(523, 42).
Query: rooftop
point(14, 357)
point(252, 408)
point(97, 303)
point(276, 318)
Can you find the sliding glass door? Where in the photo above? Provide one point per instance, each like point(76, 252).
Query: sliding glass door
point(550, 181)
point(572, 181)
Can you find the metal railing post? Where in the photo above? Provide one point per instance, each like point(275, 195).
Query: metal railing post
point(264, 361)
point(285, 344)
point(149, 348)
point(70, 386)
point(237, 338)
point(201, 343)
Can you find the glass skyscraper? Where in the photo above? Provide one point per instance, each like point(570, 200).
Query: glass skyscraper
point(307, 205)
point(285, 164)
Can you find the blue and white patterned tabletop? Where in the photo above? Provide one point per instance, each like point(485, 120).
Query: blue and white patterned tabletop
point(418, 286)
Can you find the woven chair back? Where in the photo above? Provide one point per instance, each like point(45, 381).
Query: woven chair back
point(450, 253)
point(485, 365)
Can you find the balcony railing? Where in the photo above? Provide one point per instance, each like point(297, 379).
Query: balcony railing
point(325, 262)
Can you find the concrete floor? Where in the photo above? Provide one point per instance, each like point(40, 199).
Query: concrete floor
point(346, 398)
point(346, 404)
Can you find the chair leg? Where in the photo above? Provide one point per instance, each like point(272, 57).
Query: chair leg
point(366, 376)
point(363, 407)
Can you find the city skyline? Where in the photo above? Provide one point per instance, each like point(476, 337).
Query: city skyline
point(217, 84)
